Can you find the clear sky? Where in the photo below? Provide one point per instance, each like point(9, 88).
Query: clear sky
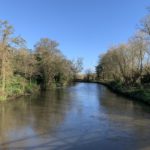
point(84, 28)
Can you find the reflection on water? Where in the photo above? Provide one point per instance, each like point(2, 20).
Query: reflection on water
point(82, 116)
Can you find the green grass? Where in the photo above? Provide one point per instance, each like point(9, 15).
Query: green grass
point(18, 86)
point(136, 93)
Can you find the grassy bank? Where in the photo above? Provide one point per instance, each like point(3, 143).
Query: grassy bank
point(18, 86)
point(135, 93)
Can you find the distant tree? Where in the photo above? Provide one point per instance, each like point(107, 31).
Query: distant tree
point(89, 75)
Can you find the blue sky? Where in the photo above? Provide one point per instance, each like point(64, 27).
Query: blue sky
point(84, 28)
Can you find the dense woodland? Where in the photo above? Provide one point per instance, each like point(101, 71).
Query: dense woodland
point(128, 63)
point(23, 70)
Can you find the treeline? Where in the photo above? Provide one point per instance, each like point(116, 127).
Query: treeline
point(128, 64)
point(23, 70)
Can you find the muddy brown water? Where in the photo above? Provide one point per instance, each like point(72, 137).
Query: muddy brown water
point(84, 116)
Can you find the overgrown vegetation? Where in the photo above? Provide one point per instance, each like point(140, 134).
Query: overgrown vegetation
point(24, 71)
point(126, 67)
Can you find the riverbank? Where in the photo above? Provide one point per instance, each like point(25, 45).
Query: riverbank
point(18, 95)
point(18, 87)
point(134, 93)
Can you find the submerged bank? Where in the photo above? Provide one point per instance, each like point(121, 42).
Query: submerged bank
point(134, 93)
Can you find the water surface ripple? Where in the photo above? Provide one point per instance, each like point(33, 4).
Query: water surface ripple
point(84, 116)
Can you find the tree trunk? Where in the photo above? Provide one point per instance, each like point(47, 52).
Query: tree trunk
point(3, 72)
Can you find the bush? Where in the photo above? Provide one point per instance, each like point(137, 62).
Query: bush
point(18, 86)
point(31, 87)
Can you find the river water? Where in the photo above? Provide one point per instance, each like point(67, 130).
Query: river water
point(84, 116)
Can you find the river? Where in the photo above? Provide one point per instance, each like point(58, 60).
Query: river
point(84, 116)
